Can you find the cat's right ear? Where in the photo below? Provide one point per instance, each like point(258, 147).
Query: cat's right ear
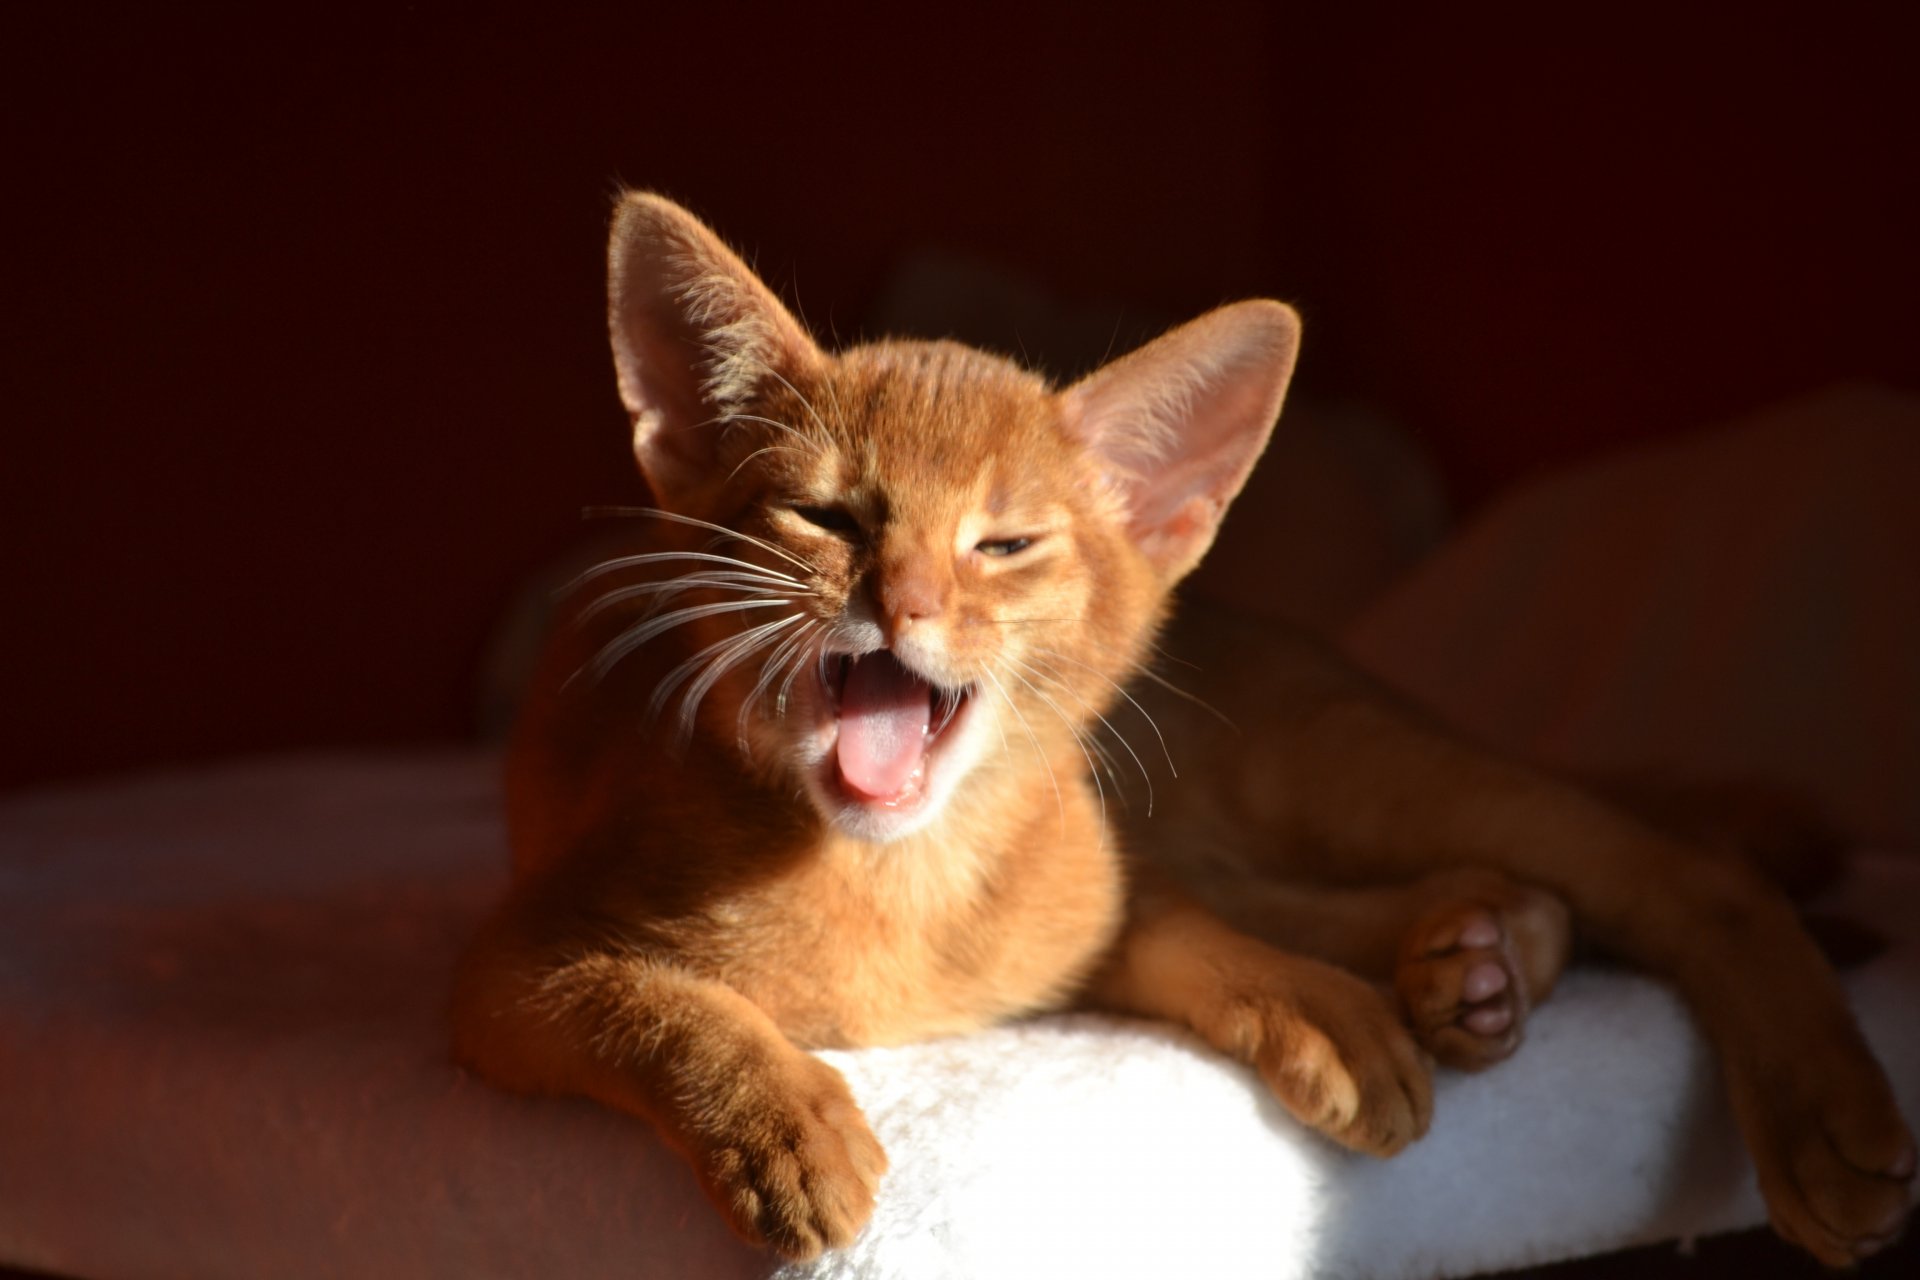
point(696, 338)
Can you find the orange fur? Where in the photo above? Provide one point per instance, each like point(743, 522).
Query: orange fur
point(725, 854)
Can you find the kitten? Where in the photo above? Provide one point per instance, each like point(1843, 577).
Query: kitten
point(808, 767)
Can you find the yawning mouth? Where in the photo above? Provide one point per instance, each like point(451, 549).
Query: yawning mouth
point(891, 721)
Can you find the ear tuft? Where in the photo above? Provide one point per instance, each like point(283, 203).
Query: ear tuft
point(1178, 424)
point(696, 337)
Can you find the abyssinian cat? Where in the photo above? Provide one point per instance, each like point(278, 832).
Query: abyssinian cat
point(807, 768)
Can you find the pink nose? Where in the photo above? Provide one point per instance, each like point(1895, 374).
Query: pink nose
point(909, 594)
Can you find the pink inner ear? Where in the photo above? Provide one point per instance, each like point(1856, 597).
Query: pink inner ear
point(693, 330)
point(1180, 422)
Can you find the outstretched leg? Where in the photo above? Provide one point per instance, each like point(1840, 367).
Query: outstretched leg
point(1374, 792)
point(1469, 953)
point(1329, 1045)
point(773, 1133)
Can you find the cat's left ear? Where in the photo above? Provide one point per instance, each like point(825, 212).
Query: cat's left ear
point(696, 337)
point(1178, 424)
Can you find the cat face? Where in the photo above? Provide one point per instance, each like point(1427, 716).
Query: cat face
point(945, 566)
point(965, 584)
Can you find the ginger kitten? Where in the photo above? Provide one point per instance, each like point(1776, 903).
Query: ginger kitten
point(808, 766)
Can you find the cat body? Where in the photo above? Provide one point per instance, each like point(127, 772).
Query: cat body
point(1001, 910)
point(812, 763)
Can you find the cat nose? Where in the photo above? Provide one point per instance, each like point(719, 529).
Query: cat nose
point(910, 595)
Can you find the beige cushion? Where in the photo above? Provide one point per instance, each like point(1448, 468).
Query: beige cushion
point(1740, 601)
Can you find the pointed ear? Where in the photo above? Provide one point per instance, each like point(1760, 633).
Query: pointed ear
point(696, 336)
point(1178, 424)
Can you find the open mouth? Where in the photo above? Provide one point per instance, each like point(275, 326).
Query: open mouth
point(891, 720)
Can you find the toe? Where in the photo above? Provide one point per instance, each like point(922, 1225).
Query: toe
point(1490, 1020)
point(1484, 980)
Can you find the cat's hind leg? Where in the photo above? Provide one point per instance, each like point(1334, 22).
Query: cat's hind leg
point(1474, 963)
point(1468, 952)
point(1786, 834)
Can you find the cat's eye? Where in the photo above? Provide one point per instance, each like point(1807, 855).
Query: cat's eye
point(834, 520)
point(1003, 546)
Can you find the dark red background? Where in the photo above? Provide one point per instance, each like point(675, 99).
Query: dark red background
point(305, 359)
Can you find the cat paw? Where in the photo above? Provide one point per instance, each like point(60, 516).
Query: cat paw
point(1337, 1057)
point(1837, 1176)
point(1472, 966)
point(796, 1168)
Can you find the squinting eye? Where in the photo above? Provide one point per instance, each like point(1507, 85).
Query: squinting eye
point(832, 519)
point(1004, 546)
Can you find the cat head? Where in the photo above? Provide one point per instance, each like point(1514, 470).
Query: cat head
point(944, 567)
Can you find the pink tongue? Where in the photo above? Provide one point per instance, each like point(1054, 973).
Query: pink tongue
point(884, 710)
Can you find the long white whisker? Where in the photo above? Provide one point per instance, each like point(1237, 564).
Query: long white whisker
point(1093, 770)
point(1142, 671)
point(673, 586)
point(1006, 748)
point(800, 658)
point(1174, 689)
point(1007, 698)
point(661, 557)
point(664, 689)
point(633, 637)
point(742, 649)
point(1117, 688)
point(1053, 677)
point(770, 669)
point(1159, 650)
point(677, 518)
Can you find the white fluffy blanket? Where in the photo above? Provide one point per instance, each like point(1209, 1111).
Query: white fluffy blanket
point(222, 1054)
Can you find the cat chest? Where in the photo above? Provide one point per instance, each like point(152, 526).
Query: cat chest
point(884, 955)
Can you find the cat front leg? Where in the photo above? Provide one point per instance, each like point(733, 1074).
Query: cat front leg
point(1330, 1046)
point(772, 1133)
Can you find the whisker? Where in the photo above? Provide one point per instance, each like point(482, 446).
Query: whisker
point(1058, 800)
point(703, 685)
point(775, 423)
point(1174, 689)
point(769, 670)
point(1006, 749)
point(633, 637)
point(804, 402)
point(771, 448)
point(664, 689)
point(949, 706)
point(1159, 650)
point(1119, 737)
point(839, 414)
point(1093, 770)
point(661, 557)
point(674, 586)
point(799, 664)
point(1139, 669)
point(677, 518)
point(1121, 690)
point(1143, 671)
